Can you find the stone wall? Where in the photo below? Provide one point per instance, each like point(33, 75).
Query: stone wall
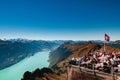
point(77, 74)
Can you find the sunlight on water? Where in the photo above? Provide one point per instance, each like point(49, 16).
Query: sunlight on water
point(16, 71)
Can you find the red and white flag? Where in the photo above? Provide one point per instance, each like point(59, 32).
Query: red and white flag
point(107, 37)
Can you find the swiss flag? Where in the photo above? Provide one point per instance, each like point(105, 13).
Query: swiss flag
point(107, 37)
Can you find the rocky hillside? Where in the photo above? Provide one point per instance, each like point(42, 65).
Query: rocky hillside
point(43, 74)
point(67, 51)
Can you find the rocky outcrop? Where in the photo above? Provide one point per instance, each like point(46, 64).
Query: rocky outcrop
point(42, 74)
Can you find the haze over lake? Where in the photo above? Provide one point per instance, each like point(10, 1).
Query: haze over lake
point(15, 72)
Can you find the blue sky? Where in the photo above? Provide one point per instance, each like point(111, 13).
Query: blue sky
point(60, 19)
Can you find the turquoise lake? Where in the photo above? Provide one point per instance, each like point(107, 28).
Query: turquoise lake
point(16, 71)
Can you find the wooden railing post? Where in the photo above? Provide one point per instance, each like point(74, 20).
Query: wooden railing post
point(112, 72)
point(94, 69)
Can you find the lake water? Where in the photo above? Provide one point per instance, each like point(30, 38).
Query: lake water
point(15, 72)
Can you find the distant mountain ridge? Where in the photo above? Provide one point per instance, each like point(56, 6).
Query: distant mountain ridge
point(12, 51)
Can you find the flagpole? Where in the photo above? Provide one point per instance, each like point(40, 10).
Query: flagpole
point(104, 45)
point(104, 42)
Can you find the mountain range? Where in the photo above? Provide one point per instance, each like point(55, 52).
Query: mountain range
point(14, 50)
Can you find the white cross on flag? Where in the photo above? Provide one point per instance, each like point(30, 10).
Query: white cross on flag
point(107, 37)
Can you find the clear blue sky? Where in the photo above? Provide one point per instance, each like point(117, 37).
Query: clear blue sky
point(60, 19)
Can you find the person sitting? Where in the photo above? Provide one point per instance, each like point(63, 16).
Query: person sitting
point(72, 61)
point(106, 68)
